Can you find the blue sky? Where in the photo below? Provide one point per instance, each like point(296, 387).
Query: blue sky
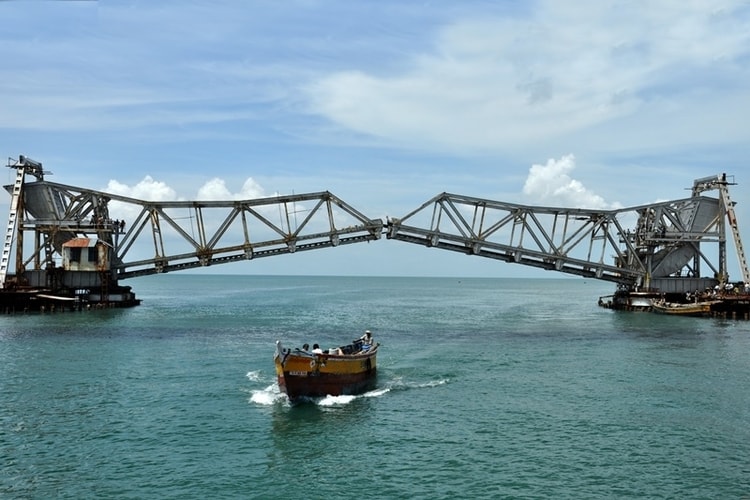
point(591, 104)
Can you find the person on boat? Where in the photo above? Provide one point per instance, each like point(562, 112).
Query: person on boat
point(367, 340)
point(305, 347)
point(317, 349)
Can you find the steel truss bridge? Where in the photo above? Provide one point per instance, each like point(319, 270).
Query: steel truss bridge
point(648, 246)
point(660, 245)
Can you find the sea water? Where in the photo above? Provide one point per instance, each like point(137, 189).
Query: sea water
point(487, 388)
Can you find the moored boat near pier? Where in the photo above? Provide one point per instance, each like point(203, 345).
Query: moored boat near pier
point(702, 308)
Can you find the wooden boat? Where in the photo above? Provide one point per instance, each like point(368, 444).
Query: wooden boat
point(349, 369)
point(684, 309)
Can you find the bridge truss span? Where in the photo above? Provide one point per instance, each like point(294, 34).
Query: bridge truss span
point(574, 241)
point(82, 239)
point(599, 244)
point(214, 232)
point(180, 234)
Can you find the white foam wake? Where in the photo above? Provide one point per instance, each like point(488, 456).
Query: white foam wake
point(267, 396)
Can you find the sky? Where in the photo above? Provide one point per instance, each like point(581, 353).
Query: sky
point(588, 104)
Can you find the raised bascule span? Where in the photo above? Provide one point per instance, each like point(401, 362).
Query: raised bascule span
point(84, 242)
point(664, 250)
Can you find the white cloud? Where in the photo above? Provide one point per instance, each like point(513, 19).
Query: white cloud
point(508, 82)
point(494, 79)
point(147, 189)
point(216, 189)
point(552, 185)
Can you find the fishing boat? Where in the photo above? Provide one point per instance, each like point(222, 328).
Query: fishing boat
point(702, 308)
point(345, 370)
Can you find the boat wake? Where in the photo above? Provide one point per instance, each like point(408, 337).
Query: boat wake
point(400, 384)
point(334, 400)
point(271, 395)
point(432, 383)
point(346, 399)
point(267, 396)
point(376, 393)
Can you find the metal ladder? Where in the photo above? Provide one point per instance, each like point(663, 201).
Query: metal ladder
point(729, 206)
point(10, 232)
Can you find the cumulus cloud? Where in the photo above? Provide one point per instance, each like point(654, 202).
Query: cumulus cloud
point(551, 184)
point(216, 189)
point(149, 189)
point(146, 189)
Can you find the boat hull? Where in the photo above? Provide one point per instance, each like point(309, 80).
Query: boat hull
point(306, 375)
point(687, 309)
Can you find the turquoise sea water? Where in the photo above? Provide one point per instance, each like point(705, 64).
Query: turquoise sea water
point(487, 388)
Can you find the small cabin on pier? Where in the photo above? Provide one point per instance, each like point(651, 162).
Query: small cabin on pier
point(85, 254)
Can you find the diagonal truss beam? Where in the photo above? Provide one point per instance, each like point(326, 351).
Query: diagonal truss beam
point(190, 234)
point(668, 239)
point(589, 243)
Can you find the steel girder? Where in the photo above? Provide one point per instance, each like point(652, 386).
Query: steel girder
point(666, 241)
point(589, 243)
point(190, 234)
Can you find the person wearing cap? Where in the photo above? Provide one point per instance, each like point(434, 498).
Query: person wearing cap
point(367, 340)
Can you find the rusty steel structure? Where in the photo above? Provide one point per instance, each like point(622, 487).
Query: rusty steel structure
point(665, 247)
point(180, 234)
point(665, 250)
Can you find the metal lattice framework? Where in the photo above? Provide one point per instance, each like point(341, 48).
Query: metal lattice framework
point(188, 234)
point(667, 242)
point(590, 243)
